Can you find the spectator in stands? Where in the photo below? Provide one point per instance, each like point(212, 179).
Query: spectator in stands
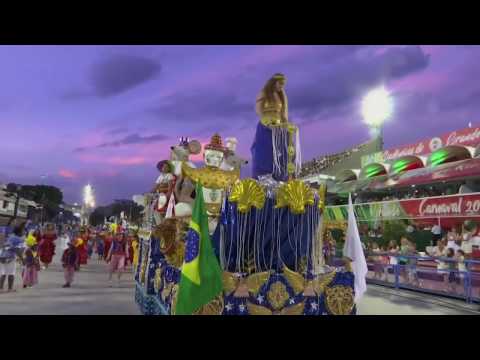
point(451, 266)
point(467, 243)
point(377, 261)
point(462, 268)
point(403, 261)
point(437, 233)
point(440, 250)
point(412, 262)
point(454, 241)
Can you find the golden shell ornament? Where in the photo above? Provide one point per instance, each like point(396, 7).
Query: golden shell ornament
point(247, 194)
point(339, 300)
point(296, 195)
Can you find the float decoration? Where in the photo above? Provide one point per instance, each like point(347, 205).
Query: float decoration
point(247, 193)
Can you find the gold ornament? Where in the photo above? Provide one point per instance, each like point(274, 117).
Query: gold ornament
point(230, 282)
point(256, 281)
point(158, 279)
point(321, 282)
point(296, 195)
point(291, 151)
point(214, 307)
point(174, 299)
point(296, 280)
point(292, 128)
point(277, 295)
point(167, 289)
point(339, 300)
point(177, 256)
point(248, 193)
point(296, 309)
point(291, 168)
point(211, 177)
point(258, 310)
point(322, 192)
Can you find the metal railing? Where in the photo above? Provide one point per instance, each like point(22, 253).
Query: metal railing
point(434, 275)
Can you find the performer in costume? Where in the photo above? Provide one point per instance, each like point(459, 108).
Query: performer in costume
point(164, 186)
point(214, 180)
point(81, 245)
point(273, 150)
point(107, 243)
point(46, 248)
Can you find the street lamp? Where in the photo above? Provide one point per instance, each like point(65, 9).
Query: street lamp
point(377, 107)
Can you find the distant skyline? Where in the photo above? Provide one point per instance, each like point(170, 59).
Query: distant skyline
point(105, 115)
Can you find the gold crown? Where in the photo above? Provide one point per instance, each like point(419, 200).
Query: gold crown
point(279, 77)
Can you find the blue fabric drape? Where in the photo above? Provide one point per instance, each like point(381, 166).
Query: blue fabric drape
point(295, 234)
point(262, 155)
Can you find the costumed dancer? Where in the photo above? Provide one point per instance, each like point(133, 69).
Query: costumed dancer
point(117, 257)
point(136, 251)
point(99, 246)
point(273, 150)
point(164, 186)
point(81, 245)
point(46, 248)
point(107, 244)
point(70, 262)
point(31, 262)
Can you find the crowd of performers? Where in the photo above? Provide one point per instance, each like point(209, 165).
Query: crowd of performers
point(35, 249)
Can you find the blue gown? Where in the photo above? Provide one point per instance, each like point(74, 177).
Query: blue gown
point(265, 160)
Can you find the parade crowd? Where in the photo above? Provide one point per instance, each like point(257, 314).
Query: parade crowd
point(32, 248)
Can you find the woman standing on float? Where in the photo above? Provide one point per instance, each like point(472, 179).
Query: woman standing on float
point(273, 151)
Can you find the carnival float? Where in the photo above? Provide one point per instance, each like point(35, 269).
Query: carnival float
point(264, 232)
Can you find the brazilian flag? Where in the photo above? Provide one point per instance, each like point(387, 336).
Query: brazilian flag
point(201, 278)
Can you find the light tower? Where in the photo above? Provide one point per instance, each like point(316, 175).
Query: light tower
point(88, 203)
point(377, 107)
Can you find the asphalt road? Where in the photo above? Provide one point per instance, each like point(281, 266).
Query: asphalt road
point(90, 294)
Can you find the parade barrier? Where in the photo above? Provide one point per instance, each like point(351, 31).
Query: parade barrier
point(423, 273)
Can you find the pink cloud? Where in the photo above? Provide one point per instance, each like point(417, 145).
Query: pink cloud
point(67, 174)
point(127, 160)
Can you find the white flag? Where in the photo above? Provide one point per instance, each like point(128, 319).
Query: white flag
point(353, 250)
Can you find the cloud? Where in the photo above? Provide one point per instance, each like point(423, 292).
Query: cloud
point(190, 107)
point(115, 75)
point(117, 131)
point(120, 73)
point(132, 139)
point(67, 174)
point(349, 78)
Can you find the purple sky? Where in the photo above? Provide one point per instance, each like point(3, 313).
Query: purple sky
point(107, 114)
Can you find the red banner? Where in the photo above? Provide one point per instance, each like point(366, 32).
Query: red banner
point(465, 137)
point(446, 206)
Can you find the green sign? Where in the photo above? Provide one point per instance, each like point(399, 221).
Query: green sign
point(372, 158)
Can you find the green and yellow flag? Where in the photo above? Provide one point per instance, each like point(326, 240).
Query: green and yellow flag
point(201, 278)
